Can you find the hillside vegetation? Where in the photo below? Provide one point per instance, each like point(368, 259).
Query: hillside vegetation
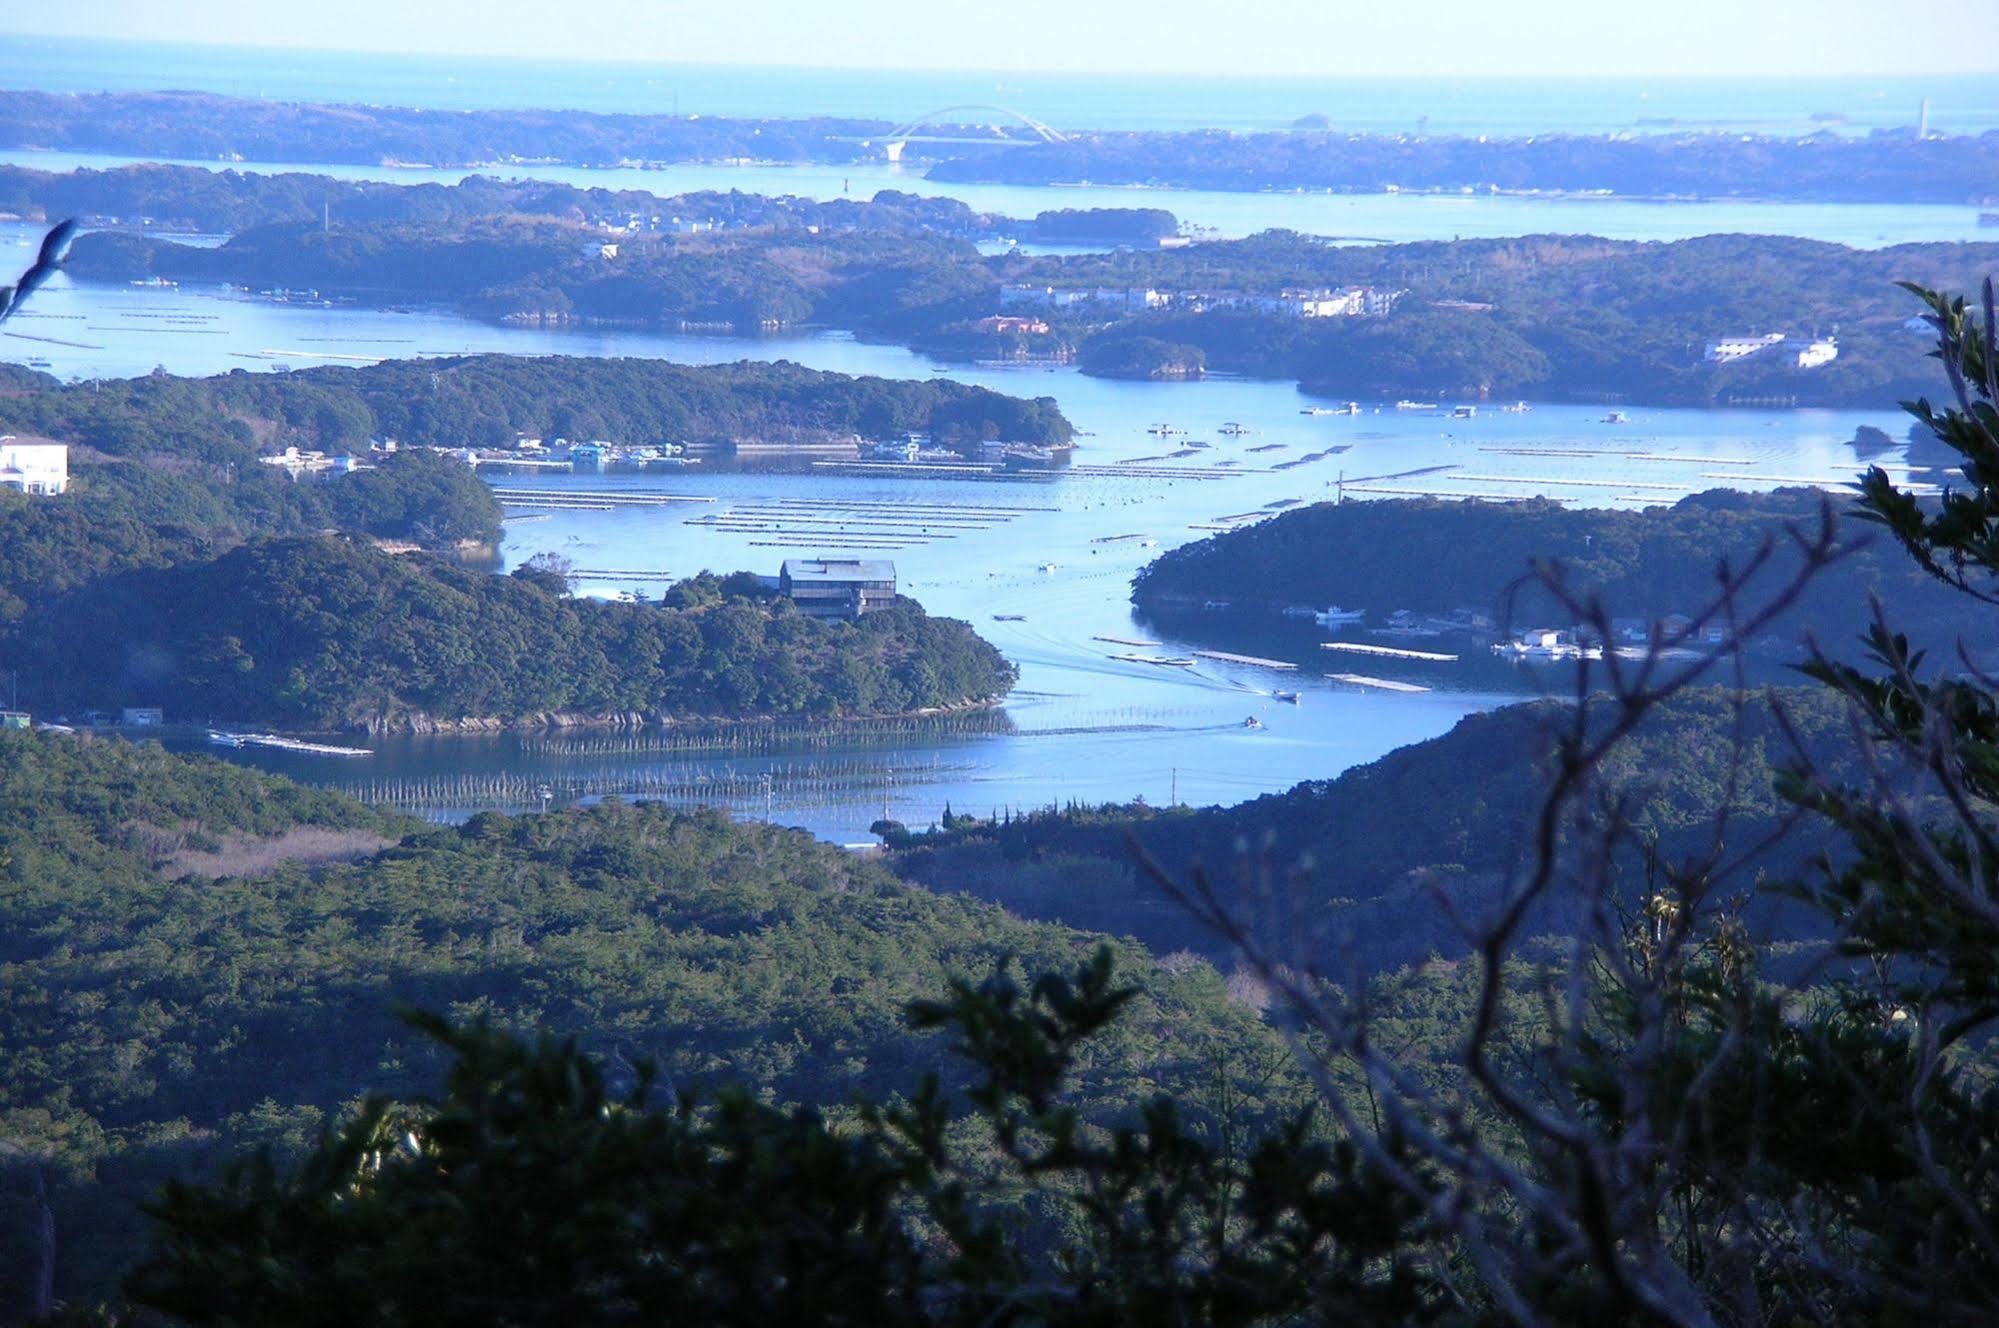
point(155, 1025)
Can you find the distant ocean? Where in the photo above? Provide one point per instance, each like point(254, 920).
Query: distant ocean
point(1496, 106)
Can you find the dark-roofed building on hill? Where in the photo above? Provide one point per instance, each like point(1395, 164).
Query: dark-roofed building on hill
point(837, 587)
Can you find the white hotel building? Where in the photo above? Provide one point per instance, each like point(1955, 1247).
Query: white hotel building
point(35, 466)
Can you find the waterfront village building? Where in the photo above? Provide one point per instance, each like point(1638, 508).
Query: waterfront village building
point(33, 465)
point(837, 587)
point(1002, 323)
point(1048, 297)
point(299, 464)
point(1737, 348)
point(142, 717)
point(1810, 354)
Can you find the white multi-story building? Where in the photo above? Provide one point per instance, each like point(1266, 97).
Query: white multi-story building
point(35, 466)
point(1108, 297)
point(1736, 348)
point(1810, 354)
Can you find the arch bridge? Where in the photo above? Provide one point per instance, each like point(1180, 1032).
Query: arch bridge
point(895, 142)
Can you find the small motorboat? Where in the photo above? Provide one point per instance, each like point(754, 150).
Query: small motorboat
point(1252, 723)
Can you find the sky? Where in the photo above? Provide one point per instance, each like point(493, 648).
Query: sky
point(1242, 37)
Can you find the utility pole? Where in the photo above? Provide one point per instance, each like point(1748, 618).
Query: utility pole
point(767, 797)
point(1173, 799)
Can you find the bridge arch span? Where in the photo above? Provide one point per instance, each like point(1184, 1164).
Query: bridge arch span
point(1045, 133)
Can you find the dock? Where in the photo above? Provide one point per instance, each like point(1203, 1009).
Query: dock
point(1130, 641)
point(1391, 652)
point(620, 574)
point(1165, 660)
point(1252, 660)
point(593, 500)
point(1384, 684)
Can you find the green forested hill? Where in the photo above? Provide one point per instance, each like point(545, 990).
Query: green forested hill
point(333, 634)
point(157, 1021)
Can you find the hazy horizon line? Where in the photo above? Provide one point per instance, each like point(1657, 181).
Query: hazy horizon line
point(639, 61)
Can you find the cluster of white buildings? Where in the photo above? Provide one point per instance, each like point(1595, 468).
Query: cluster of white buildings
point(1806, 353)
point(297, 463)
point(1118, 299)
point(33, 465)
point(1321, 302)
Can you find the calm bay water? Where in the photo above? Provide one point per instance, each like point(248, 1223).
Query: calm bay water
point(1082, 725)
point(1958, 104)
point(1054, 556)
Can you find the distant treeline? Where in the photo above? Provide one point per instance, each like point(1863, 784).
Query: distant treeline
point(164, 197)
point(1883, 167)
point(224, 201)
point(1437, 555)
point(1549, 317)
point(1825, 167)
point(324, 633)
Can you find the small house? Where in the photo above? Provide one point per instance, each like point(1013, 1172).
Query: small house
point(141, 717)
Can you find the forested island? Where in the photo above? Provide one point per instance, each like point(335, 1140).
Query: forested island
point(324, 634)
point(1828, 167)
point(494, 400)
point(1545, 317)
point(1438, 556)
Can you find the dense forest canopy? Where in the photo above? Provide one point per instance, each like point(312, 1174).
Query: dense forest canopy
point(326, 633)
point(202, 958)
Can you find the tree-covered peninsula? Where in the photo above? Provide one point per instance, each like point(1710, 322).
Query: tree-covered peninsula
point(1439, 556)
point(333, 634)
point(1669, 160)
